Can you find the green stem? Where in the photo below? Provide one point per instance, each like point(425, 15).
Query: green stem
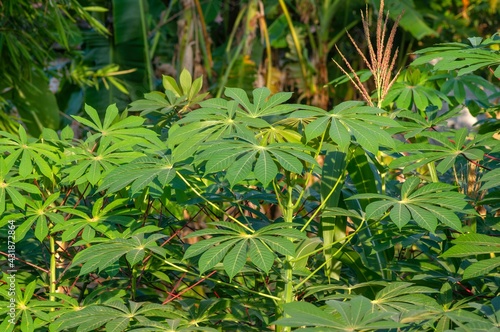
point(433, 172)
point(325, 247)
point(288, 294)
point(212, 204)
point(455, 175)
point(53, 274)
point(345, 242)
point(322, 205)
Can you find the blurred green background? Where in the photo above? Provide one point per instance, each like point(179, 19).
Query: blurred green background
point(57, 55)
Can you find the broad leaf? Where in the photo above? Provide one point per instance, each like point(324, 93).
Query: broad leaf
point(425, 205)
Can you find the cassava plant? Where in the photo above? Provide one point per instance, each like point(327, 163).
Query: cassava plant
point(214, 214)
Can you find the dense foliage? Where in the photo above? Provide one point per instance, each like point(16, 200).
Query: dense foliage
point(100, 52)
point(252, 212)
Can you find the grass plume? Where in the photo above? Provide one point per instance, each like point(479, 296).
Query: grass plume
point(380, 61)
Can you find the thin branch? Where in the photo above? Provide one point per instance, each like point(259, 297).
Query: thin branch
point(187, 289)
point(25, 262)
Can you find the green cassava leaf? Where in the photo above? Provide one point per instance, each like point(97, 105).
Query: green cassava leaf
point(469, 250)
point(481, 268)
point(316, 127)
point(400, 215)
point(215, 255)
point(235, 259)
point(478, 239)
point(240, 169)
point(202, 246)
point(423, 218)
point(265, 168)
point(260, 255)
point(279, 244)
point(347, 118)
point(304, 313)
point(376, 210)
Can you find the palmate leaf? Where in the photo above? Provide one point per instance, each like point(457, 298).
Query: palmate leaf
point(307, 314)
point(419, 123)
point(27, 306)
point(101, 218)
point(12, 186)
point(403, 296)
point(103, 255)
point(87, 319)
point(491, 311)
point(473, 83)
point(465, 58)
point(115, 127)
point(476, 244)
point(30, 153)
point(240, 157)
point(365, 123)
point(262, 105)
point(141, 172)
point(218, 118)
point(444, 317)
point(406, 95)
point(86, 164)
point(153, 101)
point(449, 146)
point(354, 315)
point(203, 245)
point(232, 245)
point(33, 215)
point(112, 314)
point(209, 124)
point(425, 205)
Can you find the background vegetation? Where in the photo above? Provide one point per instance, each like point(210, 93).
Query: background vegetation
point(249, 165)
point(103, 52)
